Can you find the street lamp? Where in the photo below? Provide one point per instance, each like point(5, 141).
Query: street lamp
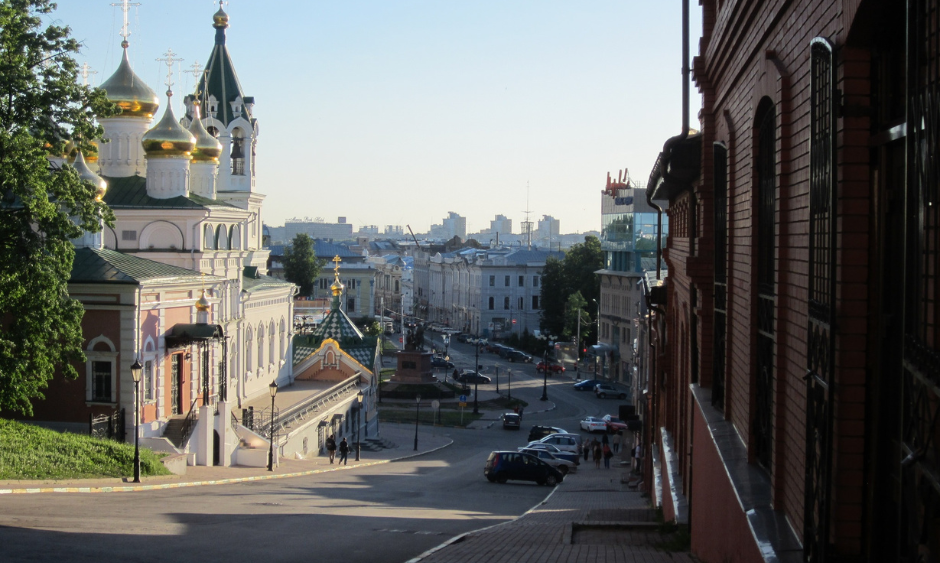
point(549, 341)
point(136, 369)
point(358, 422)
point(273, 390)
point(417, 407)
point(509, 375)
point(476, 380)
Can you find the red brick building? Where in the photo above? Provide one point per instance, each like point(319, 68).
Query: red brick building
point(793, 407)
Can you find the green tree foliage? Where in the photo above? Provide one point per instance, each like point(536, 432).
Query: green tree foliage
point(374, 328)
point(42, 207)
point(563, 279)
point(301, 265)
point(575, 308)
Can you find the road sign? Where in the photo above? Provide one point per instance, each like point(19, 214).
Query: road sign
point(463, 398)
point(463, 405)
point(435, 404)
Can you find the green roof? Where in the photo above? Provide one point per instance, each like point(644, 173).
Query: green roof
point(259, 282)
point(93, 265)
point(223, 81)
point(131, 192)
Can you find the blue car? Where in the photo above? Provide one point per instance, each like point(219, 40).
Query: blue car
point(503, 466)
point(586, 384)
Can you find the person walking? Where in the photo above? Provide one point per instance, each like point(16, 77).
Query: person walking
point(615, 441)
point(586, 446)
point(607, 455)
point(597, 454)
point(331, 447)
point(343, 451)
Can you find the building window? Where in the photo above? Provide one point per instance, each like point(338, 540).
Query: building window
point(248, 345)
point(351, 304)
point(535, 281)
point(535, 302)
point(492, 304)
point(147, 381)
point(397, 286)
point(507, 281)
point(238, 152)
point(506, 302)
point(128, 235)
point(492, 281)
point(260, 348)
point(521, 304)
point(209, 236)
point(271, 341)
point(101, 381)
point(521, 281)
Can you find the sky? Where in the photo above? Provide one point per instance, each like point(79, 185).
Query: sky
point(396, 112)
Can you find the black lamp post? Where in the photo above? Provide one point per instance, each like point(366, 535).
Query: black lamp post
point(136, 369)
point(544, 396)
point(476, 380)
point(509, 376)
point(358, 422)
point(273, 390)
point(417, 407)
point(497, 379)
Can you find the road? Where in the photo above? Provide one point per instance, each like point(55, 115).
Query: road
point(390, 512)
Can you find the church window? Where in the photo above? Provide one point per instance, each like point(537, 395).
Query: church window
point(221, 238)
point(101, 382)
point(209, 236)
point(128, 235)
point(238, 152)
point(235, 241)
point(260, 348)
point(506, 302)
point(271, 342)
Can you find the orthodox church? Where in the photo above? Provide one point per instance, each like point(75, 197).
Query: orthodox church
point(178, 292)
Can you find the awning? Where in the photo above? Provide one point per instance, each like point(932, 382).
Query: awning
point(186, 334)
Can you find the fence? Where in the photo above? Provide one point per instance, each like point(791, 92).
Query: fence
point(108, 426)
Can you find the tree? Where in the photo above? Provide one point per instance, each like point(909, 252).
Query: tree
point(301, 265)
point(574, 310)
point(554, 294)
point(562, 279)
point(42, 207)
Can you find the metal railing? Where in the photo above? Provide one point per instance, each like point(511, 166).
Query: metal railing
point(260, 421)
point(189, 423)
point(108, 426)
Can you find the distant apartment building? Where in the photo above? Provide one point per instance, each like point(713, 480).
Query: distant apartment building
point(452, 226)
point(501, 226)
point(317, 228)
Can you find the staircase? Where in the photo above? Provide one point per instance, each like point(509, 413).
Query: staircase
point(174, 431)
point(377, 444)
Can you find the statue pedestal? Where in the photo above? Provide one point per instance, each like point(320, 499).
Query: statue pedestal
point(414, 366)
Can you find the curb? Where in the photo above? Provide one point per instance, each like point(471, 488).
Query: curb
point(163, 486)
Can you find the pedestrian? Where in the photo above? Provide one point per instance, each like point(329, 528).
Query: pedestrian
point(331, 447)
point(586, 448)
point(637, 455)
point(607, 455)
point(456, 374)
point(597, 454)
point(343, 451)
point(615, 441)
point(604, 439)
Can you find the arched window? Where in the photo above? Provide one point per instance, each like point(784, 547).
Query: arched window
point(271, 342)
point(221, 238)
point(282, 351)
point(209, 236)
point(234, 238)
point(248, 344)
point(238, 152)
point(260, 347)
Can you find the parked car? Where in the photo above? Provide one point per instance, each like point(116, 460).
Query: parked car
point(593, 424)
point(539, 432)
point(472, 377)
point(517, 356)
point(604, 390)
point(564, 442)
point(463, 337)
point(558, 463)
point(552, 368)
point(572, 457)
point(586, 384)
point(614, 423)
point(439, 362)
point(511, 420)
point(503, 466)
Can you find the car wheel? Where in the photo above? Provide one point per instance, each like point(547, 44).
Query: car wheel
point(603, 395)
point(491, 480)
point(501, 478)
point(563, 469)
point(551, 481)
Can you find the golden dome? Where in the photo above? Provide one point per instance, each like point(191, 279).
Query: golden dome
point(203, 304)
point(85, 173)
point(337, 288)
point(71, 152)
point(129, 92)
point(208, 148)
point(220, 18)
point(168, 137)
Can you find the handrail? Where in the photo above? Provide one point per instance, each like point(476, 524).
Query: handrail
point(314, 403)
point(188, 423)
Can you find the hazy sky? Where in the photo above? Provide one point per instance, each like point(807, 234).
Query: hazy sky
point(395, 112)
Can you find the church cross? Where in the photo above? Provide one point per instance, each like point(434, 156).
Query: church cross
point(125, 7)
point(169, 60)
point(86, 71)
point(336, 260)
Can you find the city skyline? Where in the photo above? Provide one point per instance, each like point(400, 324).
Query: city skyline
point(371, 110)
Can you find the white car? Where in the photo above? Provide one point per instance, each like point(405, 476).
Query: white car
point(564, 442)
point(558, 463)
point(593, 424)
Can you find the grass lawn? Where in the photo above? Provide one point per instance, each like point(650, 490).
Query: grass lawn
point(31, 452)
point(427, 415)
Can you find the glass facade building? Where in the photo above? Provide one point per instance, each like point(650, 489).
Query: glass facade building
point(628, 231)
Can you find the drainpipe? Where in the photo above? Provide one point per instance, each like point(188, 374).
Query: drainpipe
point(664, 157)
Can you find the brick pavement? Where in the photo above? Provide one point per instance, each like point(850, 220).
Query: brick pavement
point(590, 517)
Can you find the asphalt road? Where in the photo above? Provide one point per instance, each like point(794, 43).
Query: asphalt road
point(384, 513)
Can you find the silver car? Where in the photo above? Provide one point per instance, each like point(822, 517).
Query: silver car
point(558, 463)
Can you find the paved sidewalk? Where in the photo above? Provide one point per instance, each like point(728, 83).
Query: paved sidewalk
point(591, 516)
point(402, 435)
